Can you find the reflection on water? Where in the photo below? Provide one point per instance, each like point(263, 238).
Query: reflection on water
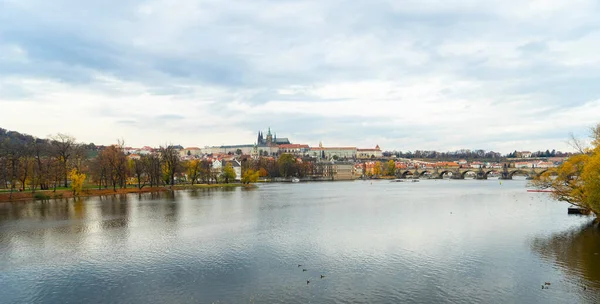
point(575, 251)
point(376, 242)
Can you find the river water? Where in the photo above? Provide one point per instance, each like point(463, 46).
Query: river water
point(436, 241)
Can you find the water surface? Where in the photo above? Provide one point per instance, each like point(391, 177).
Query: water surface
point(436, 241)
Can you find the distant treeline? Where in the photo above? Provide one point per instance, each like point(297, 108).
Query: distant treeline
point(28, 163)
point(469, 154)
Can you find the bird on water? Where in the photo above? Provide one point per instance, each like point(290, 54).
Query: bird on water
point(307, 281)
point(299, 265)
point(303, 269)
point(322, 276)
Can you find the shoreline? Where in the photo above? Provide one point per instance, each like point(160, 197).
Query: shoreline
point(41, 195)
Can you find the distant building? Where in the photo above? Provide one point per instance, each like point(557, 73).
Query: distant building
point(524, 165)
point(270, 139)
point(476, 165)
point(265, 146)
point(544, 164)
point(525, 154)
point(369, 153)
point(191, 151)
point(237, 167)
point(330, 152)
point(134, 156)
point(296, 149)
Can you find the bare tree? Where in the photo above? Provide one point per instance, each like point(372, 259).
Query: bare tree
point(154, 169)
point(139, 170)
point(170, 159)
point(64, 147)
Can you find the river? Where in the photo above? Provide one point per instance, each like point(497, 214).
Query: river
point(436, 241)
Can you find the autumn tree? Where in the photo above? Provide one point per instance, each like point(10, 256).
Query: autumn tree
point(377, 170)
point(262, 172)
point(139, 171)
point(77, 180)
point(250, 176)
point(577, 180)
point(171, 163)
point(115, 162)
point(228, 173)
point(64, 147)
point(193, 168)
point(390, 168)
point(286, 164)
point(43, 163)
point(205, 171)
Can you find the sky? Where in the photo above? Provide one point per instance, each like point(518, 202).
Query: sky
point(442, 75)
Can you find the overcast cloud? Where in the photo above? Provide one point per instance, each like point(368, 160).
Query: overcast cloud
point(438, 74)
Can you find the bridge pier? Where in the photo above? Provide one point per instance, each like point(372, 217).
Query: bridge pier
point(481, 174)
point(457, 175)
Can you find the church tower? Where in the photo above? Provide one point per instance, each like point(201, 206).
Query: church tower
point(269, 138)
point(260, 140)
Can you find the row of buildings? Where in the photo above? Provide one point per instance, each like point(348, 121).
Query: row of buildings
point(339, 162)
point(271, 145)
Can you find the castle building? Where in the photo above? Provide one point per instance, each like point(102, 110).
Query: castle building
point(271, 140)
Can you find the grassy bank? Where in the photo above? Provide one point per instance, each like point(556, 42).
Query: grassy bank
point(68, 193)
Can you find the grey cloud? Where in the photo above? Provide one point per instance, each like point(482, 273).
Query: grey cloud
point(251, 51)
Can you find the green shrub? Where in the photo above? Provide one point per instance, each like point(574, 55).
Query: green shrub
point(41, 196)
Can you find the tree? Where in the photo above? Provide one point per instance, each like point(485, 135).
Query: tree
point(205, 171)
point(77, 179)
point(262, 172)
point(139, 170)
point(390, 168)
point(228, 173)
point(114, 164)
point(171, 162)
point(577, 180)
point(64, 146)
point(238, 151)
point(377, 169)
point(250, 176)
point(193, 168)
point(286, 164)
point(153, 168)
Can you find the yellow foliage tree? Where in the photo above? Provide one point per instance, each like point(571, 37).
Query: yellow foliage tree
point(193, 168)
point(250, 176)
point(228, 173)
point(77, 180)
point(377, 169)
point(577, 180)
point(390, 168)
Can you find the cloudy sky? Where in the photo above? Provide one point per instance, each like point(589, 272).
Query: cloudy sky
point(415, 74)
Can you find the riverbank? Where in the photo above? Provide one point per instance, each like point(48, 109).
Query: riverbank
point(67, 193)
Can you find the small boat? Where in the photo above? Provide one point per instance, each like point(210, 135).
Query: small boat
point(415, 180)
point(295, 180)
point(577, 210)
point(397, 181)
point(539, 190)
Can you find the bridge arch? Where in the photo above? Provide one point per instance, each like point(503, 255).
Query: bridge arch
point(445, 172)
point(485, 174)
point(404, 173)
point(422, 173)
point(464, 173)
point(519, 171)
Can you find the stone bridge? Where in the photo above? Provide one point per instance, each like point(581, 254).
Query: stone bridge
point(459, 173)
